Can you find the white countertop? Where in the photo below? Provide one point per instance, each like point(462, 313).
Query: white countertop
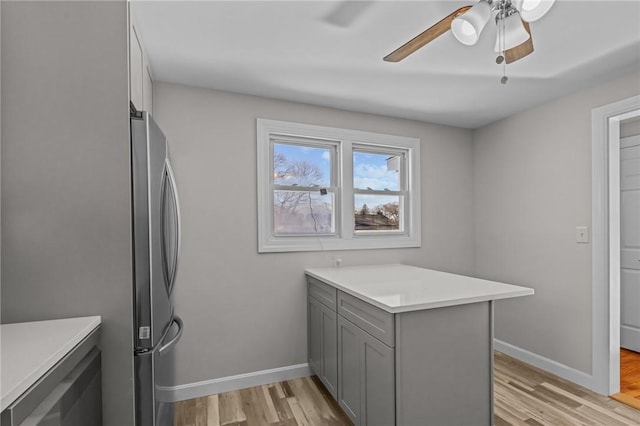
point(29, 349)
point(403, 288)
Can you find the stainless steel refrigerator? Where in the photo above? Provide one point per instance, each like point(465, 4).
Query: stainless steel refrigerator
point(156, 252)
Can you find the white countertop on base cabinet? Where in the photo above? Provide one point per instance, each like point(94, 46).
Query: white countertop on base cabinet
point(30, 349)
point(403, 288)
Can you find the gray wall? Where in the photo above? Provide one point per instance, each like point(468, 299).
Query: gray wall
point(245, 311)
point(65, 176)
point(532, 187)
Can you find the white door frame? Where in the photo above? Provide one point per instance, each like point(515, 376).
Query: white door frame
point(605, 190)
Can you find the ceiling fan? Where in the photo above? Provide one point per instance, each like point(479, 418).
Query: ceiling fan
point(512, 17)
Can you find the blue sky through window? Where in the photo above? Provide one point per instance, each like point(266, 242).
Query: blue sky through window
point(288, 171)
point(308, 166)
point(370, 171)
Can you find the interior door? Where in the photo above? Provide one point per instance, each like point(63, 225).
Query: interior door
point(630, 243)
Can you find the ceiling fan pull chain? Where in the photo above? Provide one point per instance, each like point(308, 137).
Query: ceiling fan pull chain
point(504, 78)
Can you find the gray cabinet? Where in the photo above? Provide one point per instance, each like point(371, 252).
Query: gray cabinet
point(69, 394)
point(346, 351)
point(365, 376)
point(323, 352)
point(403, 369)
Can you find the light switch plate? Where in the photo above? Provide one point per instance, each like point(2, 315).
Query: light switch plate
point(582, 234)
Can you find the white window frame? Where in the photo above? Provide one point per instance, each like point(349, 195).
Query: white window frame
point(345, 237)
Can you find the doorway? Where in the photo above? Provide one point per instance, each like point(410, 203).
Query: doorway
point(629, 263)
point(606, 249)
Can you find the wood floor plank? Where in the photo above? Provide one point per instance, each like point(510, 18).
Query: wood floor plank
point(535, 409)
point(213, 413)
point(279, 391)
point(230, 406)
point(508, 421)
point(254, 406)
point(270, 409)
point(298, 413)
point(611, 416)
point(524, 396)
point(280, 403)
point(340, 415)
point(629, 400)
point(189, 413)
point(629, 379)
point(178, 413)
point(324, 409)
point(306, 402)
point(286, 389)
point(512, 415)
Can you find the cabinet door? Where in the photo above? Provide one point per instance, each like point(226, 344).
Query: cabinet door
point(366, 389)
point(329, 350)
point(378, 393)
point(314, 335)
point(349, 369)
point(322, 344)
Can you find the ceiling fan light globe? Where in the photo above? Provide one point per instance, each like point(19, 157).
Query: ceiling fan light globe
point(464, 32)
point(532, 10)
point(514, 33)
point(467, 27)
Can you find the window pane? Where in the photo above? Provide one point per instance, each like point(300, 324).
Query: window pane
point(303, 212)
point(301, 165)
point(377, 213)
point(376, 171)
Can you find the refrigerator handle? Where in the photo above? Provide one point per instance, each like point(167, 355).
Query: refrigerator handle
point(165, 347)
point(176, 206)
point(163, 237)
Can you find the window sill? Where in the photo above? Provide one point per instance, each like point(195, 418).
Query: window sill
point(364, 242)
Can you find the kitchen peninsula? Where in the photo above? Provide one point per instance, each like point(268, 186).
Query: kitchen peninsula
point(402, 345)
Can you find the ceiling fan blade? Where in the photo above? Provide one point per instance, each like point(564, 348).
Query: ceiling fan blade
point(425, 37)
point(521, 50)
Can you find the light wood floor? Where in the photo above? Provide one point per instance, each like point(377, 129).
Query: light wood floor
point(301, 402)
point(629, 378)
point(524, 396)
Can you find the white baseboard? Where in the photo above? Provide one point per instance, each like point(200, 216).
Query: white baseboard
point(568, 373)
point(258, 378)
point(231, 383)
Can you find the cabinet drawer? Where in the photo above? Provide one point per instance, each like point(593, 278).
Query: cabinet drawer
point(322, 292)
point(374, 321)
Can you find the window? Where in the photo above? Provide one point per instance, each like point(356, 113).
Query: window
point(300, 171)
point(378, 190)
point(322, 188)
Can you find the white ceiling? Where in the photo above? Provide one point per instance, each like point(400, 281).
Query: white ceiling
point(294, 50)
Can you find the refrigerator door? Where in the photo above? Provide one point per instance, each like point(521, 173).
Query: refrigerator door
point(155, 374)
point(152, 189)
